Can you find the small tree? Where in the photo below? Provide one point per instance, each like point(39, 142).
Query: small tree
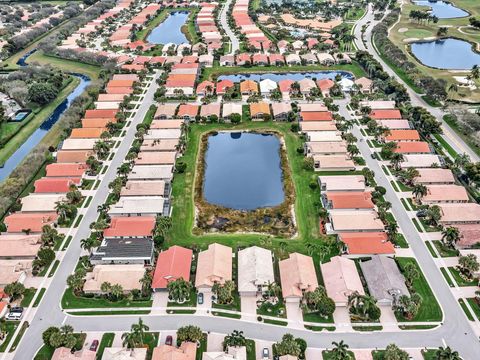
point(224, 292)
point(319, 302)
point(468, 265)
point(340, 351)
point(189, 333)
point(179, 290)
point(235, 339)
point(15, 290)
point(288, 346)
point(411, 273)
point(393, 352)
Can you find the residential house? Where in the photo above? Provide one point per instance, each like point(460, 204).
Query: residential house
point(259, 111)
point(366, 243)
point(214, 265)
point(280, 110)
point(127, 276)
point(130, 227)
point(248, 87)
point(255, 271)
point(124, 251)
point(342, 183)
point(119, 353)
point(172, 264)
point(298, 276)
point(354, 221)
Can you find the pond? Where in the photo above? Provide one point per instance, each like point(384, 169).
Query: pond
point(170, 30)
point(443, 9)
point(295, 76)
point(243, 170)
point(450, 53)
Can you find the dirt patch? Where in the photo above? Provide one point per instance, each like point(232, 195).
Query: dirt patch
point(402, 30)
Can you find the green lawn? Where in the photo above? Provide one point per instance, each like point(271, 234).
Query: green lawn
point(151, 341)
point(107, 341)
point(460, 280)
point(475, 307)
point(430, 248)
point(46, 352)
point(429, 310)
point(268, 309)
point(465, 309)
point(447, 278)
point(443, 250)
point(251, 350)
point(202, 348)
point(306, 199)
point(10, 327)
point(446, 145)
point(327, 355)
point(19, 336)
point(70, 301)
point(39, 297)
point(234, 306)
point(314, 317)
point(28, 296)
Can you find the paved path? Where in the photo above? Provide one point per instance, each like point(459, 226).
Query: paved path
point(456, 330)
point(453, 139)
point(235, 43)
point(49, 313)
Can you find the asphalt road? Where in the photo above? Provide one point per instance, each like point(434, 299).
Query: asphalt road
point(49, 312)
point(416, 99)
point(224, 22)
point(456, 330)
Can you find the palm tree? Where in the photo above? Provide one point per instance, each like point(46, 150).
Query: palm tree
point(162, 225)
point(419, 191)
point(146, 282)
point(447, 354)
point(340, 351)
point(396, 160)
point(434, 214)
point(140, 330)
point(89, 243)
point(179, 290)
point(475, 72)
point(235, 339)
point(450, 236)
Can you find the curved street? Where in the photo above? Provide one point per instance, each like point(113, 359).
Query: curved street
point(450, 136)
point(234, 42)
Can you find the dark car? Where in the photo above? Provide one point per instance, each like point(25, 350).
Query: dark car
point(200, 298)
point(169, 340)
point(422, 213)
point(94, 345)
point(265, 353)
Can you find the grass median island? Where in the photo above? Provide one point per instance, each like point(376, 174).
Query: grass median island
point(306, 201)
point(429, 309)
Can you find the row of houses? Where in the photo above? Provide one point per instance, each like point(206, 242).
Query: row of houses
point(275, 59)
point(247, 27)
point(206, 25)
point(21, 242)
point(127, 245)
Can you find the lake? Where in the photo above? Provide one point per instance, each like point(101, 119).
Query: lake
point(170, 30)
point(443, 10)
point(451, 54)
point(295, 76)
point(243, 170)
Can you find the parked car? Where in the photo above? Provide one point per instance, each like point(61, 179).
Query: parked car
point(94, 345)
point(15, 313)
point(422, 213)
point(200, 298)
point(265, 353)
point(169, 340)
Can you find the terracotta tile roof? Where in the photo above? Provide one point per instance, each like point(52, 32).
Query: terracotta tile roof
point(172, 264)
point(55, 185)
point(120, 83)
point(223, 85)
point(341, 279)
point(97, 123)
point(166, 124)
point(411, 147)
point(285, 85)
point(406, 135)
point(445, 193)
point(367, 243)
point(73, 156)
point(202, 87)
point(119, 90)
point(385, 114)
point(316, 116)
point(260, 108)
point(61, 170)
point(86, 133)
point(186, 351)
point(214, 265)
point(248, 86)
point(210, 109)
point(130, 226)
point(181, 80)
point(98, 114)
point(350, 200)
point(33, 221)
point(435, 176)
point(297, 275)
point(325, 84)
point(458, 213)
point(156, 158)
point(188, 110)
point(469, 235)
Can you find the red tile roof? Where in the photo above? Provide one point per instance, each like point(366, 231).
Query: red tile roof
point(412, 147)
point(33, 221)
point(55, 185)
point(398, 135)
point(131, 226)
point(187, 110)
point(350, 200)
point(385, 114)
point(316, 116)
point(89, 114)
point(223, 85)
point(61, 170)
point(172, 264)
point(367, 243)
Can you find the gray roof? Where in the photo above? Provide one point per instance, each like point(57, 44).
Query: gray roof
point(384, 280)
point(117, 249)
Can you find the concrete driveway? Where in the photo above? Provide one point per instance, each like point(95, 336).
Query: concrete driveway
point(388, 319)
point(341, 316)
point(207, 301)
point(294, 314)
point(215, 342)
point(249, 307)
point(313, 354)
point(160, 300)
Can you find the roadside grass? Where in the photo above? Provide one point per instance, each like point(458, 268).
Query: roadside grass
point(107, 341)
point(443, 250)
point(367, 328)
point(107, 313)
point(447, 278)
point(465, 309)
point(475, 307)
point(315, 318)
point(417, 225)
point(54, 268)
point(429, 309)
point(306, 200)
point(27, 297)
point(70, 301)
point(10, 327)
point(430, 248)
point(275, 322)
point(401, 241)
point(227, 315)
point(202, 347)
point(39, 297)
point(463, 135)
point(320, 328)
point(459, 279)
point(446, 146)
point(251, 353)
point(19, 336)
point(151, 341)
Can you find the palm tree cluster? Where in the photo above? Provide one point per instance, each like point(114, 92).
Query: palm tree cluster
point(59, 337)
point(136, 337)
point(318, 301)
point(422, 16)
point(179, 290)
point(235, 339)
point(189, 333)
point(224, 292)
point(363, 307)
point(409, 306)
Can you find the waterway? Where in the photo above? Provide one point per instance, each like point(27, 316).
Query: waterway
point(443, 9)
point(243, 170)
point(450, 53)
point(295, 76)
point(170, 30)
point(36, 137)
